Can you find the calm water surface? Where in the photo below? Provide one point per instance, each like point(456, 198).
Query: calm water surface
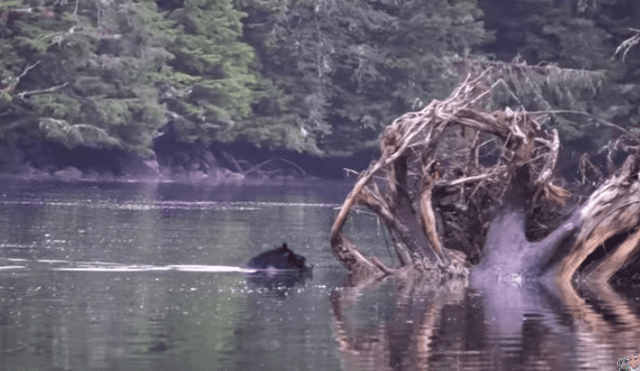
point(120, 276)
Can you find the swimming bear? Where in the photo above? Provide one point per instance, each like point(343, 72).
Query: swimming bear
point(281, 259)
point(278, 269)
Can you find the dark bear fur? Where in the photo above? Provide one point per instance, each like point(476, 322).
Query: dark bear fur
point(279, 268)
point(281, 259)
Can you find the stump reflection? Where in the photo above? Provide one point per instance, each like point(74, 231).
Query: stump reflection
point(408, 324)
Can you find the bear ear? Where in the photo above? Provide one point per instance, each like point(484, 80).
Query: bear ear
point(284, 246)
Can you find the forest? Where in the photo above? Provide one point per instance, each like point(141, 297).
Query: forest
point(321, 78)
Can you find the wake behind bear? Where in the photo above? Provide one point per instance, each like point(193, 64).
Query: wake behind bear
point(279, 266)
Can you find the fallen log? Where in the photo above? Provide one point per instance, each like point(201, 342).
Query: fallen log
point(462, 182)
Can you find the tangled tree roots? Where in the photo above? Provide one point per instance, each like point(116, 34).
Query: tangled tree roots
point(456, 184)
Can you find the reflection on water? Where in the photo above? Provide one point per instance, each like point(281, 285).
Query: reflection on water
point(401, 324)
point(121, 276)
point(404, 324)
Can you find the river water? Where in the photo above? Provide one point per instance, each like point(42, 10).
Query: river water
point(147, 276)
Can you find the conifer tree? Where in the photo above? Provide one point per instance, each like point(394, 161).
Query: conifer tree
point(338, 71)
point(85, 72)
point(211, 89)
point(580, 35)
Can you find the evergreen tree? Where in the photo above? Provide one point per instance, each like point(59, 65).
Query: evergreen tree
point(336, 72)
point(211, 89)
point(89, 72)
point(580, 35)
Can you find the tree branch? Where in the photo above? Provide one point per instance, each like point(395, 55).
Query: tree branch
point(24, 94)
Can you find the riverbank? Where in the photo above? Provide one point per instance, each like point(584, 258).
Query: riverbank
point(173, 161)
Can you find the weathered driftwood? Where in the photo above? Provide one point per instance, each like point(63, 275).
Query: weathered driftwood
point(461, 181)
point(612, 210)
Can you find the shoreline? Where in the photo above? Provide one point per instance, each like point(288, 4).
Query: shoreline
point(230, 181)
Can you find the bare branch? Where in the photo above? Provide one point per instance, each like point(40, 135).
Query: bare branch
point(24, 94)
point(627, 44)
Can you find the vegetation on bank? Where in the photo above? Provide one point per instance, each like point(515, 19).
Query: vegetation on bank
point(312, 76)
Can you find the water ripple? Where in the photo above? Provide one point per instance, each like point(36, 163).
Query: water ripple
point(182, 205)
point(71, 266)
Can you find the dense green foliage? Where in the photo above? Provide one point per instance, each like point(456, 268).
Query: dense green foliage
point(318, 76)
point(211, 89)
point(112, 73)
point(309, 75)
point(338, 71)
point(84, 73)
point(574, 34)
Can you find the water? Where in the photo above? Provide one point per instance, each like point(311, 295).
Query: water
point(121, 276)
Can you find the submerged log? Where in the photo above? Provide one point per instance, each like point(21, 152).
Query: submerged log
point(459, 182)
